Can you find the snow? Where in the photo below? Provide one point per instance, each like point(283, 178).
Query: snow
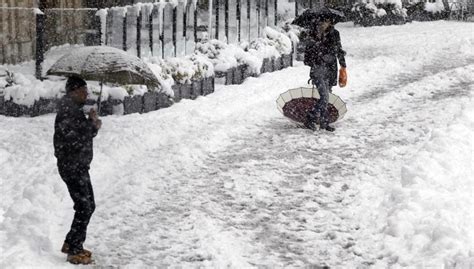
point(431, 209)
point(435, 7)
point(102, 13)
point(282, 42)
point(226, 181)
point(37, 11)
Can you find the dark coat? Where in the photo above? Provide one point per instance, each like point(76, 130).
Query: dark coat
point(73, 134)
point(325, 52)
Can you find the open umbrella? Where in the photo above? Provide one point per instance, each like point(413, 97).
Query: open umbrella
point(310, 17)
point(104, 64)
point(295, 104)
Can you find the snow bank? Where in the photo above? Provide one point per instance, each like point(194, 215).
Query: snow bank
point(432, 210)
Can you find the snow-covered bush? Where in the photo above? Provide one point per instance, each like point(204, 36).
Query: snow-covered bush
point(202, 66)
point(281, 42)
point(182, 70)
point(219, 53)
point(25, 89)
point(370, 14)
point(421, 11)
point(226, 56)
point(6, 79)
point(291, 31)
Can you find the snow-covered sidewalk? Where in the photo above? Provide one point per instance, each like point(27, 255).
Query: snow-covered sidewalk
point(226, 181)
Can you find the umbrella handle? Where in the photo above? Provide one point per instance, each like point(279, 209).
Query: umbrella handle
point(99, 100)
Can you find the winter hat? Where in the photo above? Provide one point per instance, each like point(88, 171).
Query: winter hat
point(74, 83)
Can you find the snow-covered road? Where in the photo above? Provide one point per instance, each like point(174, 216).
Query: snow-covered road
point(226, 181)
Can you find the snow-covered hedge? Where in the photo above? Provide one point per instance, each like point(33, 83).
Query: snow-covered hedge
point(271, 52)
point(380, 12)
point(370, 14)
point(182, 70)
point(421, 11)
point(25, 89)
point(225, 56)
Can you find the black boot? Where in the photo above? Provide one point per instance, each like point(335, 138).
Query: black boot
point(330, 128)
point(325, 126)
point(309, 123)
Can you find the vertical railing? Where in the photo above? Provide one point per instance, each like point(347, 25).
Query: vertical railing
point(244, 20)
point(170, 30)
point(40, 45)
point(232, 22)
point(180, 30)
point(168, 46)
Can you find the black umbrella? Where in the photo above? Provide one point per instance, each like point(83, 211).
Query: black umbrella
point(310, 17)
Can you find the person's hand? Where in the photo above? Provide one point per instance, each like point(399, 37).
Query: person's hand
point(93, 114)
point(95, 119)
point(342, 77)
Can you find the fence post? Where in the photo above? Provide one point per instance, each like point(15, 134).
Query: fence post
point(195, 24)
point(296, 8)
point(124, 37)
point(150, 32)
point(175, 45)
point(216, 7)
point(139, 33)
point(39, 55)
point(226, 20)
point(276, 12)
point(94, 31)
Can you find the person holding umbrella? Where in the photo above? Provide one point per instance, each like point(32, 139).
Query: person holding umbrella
point(323, 50)
point(74, 132)
point(73, 148)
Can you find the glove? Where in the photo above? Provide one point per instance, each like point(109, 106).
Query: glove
point(342, 77)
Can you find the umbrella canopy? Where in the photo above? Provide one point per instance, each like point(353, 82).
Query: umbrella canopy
point(295, 104)
point(310, 17)
point(105, 64)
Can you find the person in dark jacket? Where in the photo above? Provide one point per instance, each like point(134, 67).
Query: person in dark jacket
point(323, 50)
point(73, 134)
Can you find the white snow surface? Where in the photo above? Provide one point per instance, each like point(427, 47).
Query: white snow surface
point(225, 181)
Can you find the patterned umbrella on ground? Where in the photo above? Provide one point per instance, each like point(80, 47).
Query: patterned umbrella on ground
point(295, 104)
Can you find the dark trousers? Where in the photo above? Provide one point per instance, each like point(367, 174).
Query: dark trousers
point(79, 185)
point(320, 78)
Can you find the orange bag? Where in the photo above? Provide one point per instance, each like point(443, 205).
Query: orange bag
point(342, 77)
